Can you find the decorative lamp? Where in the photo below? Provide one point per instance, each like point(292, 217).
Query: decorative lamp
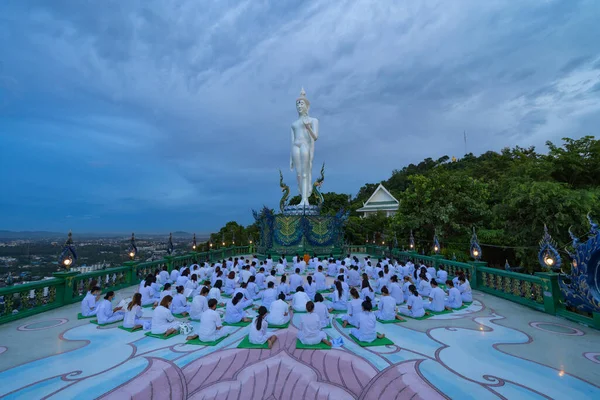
point(475, 248)
point(132, 250)
point(170, 244)
point(411, 241)
point(194, 242)
point(548, 256)
point(436, 244)
point(68, 256)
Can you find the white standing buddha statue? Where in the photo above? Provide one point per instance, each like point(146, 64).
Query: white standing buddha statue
point(305, 131)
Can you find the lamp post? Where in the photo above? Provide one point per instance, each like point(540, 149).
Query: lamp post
point(475, 248)
point(411, 241)
point(68, 256)
point(170, 247)
point(436, 244)
point(548, 256)
point(132, 250)
point(194, 242)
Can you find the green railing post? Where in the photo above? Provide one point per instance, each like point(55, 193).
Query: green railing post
point(596, 320)
point(67, 291)
point(131, 272)
point(474, 265)
point(169, 262)
point(551, 291)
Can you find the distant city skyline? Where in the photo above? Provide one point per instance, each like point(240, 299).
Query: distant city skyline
point(163, 117)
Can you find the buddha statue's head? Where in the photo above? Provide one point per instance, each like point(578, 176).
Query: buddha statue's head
point(302, 103)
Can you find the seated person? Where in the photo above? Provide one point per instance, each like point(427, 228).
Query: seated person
point(246, 300)
point(163, 321)
point(366, 332)
point(258, 329)
point(211, 328)
point(88, 305)
point(296, 280)
point(234, 311)
point(387, 307)
point(279, 311)
point(310, 288)
point(465, 289)
point(269, 295)
point(310, 327)
point(215, 292)
point(414, 305)
point(436, 297)
point(454, 300)
point(133, 314)
point(299, 299)
point(199, 304)
point(179, 304)
point(167, 291)
point(319, 278)
point(339, 297)
point(354, 309)
point(321, 310)
point(106, 314)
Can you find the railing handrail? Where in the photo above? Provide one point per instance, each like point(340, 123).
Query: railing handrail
point(30, 286)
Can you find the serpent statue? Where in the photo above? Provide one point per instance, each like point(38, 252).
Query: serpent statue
point(317, 185)
point(286, 192)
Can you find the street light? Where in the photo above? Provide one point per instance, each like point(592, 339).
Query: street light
point(132, 251)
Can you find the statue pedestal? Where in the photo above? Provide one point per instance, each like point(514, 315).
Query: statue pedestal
point(300, 233)
point(301, 210)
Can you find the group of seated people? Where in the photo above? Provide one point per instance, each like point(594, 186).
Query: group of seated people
point(237, 284)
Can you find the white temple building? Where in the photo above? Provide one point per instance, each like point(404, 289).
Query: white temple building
point(380, 200)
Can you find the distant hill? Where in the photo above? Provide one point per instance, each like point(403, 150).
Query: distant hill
point(41, 235)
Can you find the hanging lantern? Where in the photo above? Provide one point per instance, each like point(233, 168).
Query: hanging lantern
point(475, 248)
point(411, 241)
point(194, 242)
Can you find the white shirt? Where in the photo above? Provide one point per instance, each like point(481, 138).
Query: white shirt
point(257, 336)
point(299, 300)
point(416, 303)
point(131, 315)
point(323, 313)
point(437, 299)
point(295, 281)
point(215, 293)
point(396, 292)
point(387, 306)
point(88, 304)
point(209, 322)
point(161, 320)
point(442, 276)
point(310, 326)
point(245, 275)
point(367, 326)
point(277, 312)
point(199, 305)
point(104, 311)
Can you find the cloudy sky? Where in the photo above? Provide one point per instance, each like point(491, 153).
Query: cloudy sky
point(152, 116)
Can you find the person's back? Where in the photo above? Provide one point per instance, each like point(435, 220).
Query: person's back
point(387, 308)
point(88, 305)
point(209, 320)
point(277, 312)
point(199, 305)
point(295, 280)
point(299, 300)
point(367, 326)
point(130, 316)
point(442, 276)
point(323, 313)
point(320, 280)
point(268, 296)
point(437, 302)
point(233, 312)
point(310, 327)
point(417, 309)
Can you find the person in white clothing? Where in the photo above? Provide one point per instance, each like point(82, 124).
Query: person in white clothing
point(133, 315)
point(211, 328)
point(322, 311)
point(163, 321)
point(354, 309)
point(258, 329)
point(174, 275)
point(320, 279)
point(414, 305)
point(295, 279)
point(279, 311)
point(442, 275)
point(88, 305)
point(395, 290)
point(424, 285)
point(271, 278)
point(300, 299)
point(106, 314)
point(164, 275)
point(199, 304)
point(310, 328)
point(432, 273)
point(436, 297)
point(387, 307)
point(166, 291)
point(179, 304)
point(454, 298)
point(465, 289)
point(284, 287)
point(365, 330)
point(280, 268)
point(215, 293)
point(269, 295)
point(310, 288)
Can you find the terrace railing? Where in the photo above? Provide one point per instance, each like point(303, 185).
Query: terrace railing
point(21, 301)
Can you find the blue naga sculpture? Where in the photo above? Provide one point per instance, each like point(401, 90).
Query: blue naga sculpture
point(581, 286)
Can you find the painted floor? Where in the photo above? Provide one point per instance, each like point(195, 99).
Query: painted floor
point(493, 349)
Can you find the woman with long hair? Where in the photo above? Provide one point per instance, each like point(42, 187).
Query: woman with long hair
point(258, 329)
point(414, 305)
point(234, 310)
point(365, 330)
point(133, 314)
point(310, 288)
point(163, 321)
